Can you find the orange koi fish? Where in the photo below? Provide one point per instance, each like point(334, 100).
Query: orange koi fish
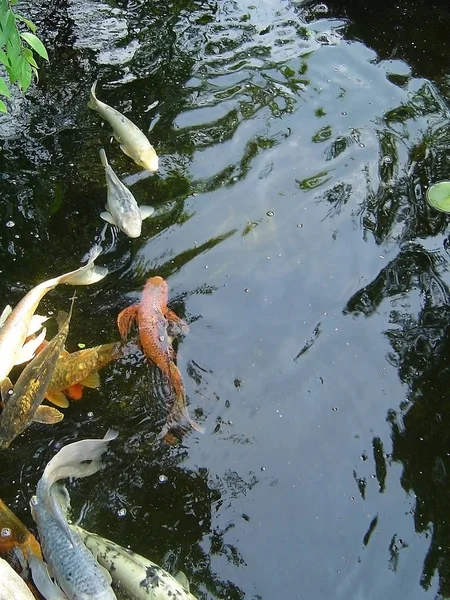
point(153, 320)
point(17, 544)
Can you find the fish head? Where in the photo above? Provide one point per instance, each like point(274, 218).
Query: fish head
point(157, 282)
point(148, 159)
point(4, 442)
point(132, 227)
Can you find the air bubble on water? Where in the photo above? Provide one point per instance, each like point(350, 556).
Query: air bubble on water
point(10, 224)
point(90, 415)
point(387, 160)
point(161, 338)
point(163, 479)
point(270, 213)
point(121, 512)
point(299, 225)
point(5, 532)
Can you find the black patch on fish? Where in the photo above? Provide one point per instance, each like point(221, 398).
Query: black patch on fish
point(151, 579)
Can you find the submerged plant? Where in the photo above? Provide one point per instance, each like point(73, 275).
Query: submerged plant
point(17, 50)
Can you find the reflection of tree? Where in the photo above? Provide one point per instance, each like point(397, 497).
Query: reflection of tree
point(421, 427)
point(392, 203)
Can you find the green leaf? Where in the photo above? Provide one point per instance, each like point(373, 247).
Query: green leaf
point(7, 26)
point(27, 22)
point(25, 75)
point(3, 108)
point(4, 59)
point(13, 2)
point(4, 89)
point(438, 196)
point(36, 44)
point(29, 56)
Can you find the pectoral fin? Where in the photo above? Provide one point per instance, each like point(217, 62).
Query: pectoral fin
point(125, 149)
point(92, 380)
point(57, 398)
point(146, 211)
point(28, 350)
point(125, 320)
point(41, 579)
point(5, 314)
point(48, 415)
point(107, 216)
point(6, 389)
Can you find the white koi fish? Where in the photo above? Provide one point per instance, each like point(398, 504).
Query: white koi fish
point(12, 586)
point(139, 577)
point(131, 139)
point(122, 208)
point(14, 331)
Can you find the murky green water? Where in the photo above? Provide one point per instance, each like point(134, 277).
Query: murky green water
point(296, 142)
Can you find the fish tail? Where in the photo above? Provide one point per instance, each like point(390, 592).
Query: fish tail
point(103, 157)
point(69, 462)
point(93, 98)
point(87, 274)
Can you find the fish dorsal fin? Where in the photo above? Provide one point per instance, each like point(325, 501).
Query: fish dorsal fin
point(48, 415)
point(6, 388)
point(146, 211)
point(183, 580)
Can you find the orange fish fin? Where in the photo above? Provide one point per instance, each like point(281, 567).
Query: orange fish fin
point(125, 320)
point(57, 398)
point(48, 415)
point(92, 380)
point(177, 325)
point(75, 391)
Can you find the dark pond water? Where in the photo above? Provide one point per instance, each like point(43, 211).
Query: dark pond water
point(297, 141)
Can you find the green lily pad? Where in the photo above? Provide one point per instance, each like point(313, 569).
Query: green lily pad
point(438, 196)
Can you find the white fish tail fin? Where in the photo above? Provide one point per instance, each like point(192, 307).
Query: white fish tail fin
point(103, 157)
point(87, 274)
point(68, 462)
point(93, 99)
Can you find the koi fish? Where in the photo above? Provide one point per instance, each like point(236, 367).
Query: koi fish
point(139, 577)
point(17, 544)
point(153, 319)
point(23, 406)
point(122, 209)
point(131, 139)
point(15, 328)
point(77, 370)
point(73, 566)
point(12, 586)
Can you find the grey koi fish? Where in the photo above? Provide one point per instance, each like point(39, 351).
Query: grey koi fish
point(73, 566)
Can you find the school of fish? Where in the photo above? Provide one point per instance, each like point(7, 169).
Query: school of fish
point(67, 562)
